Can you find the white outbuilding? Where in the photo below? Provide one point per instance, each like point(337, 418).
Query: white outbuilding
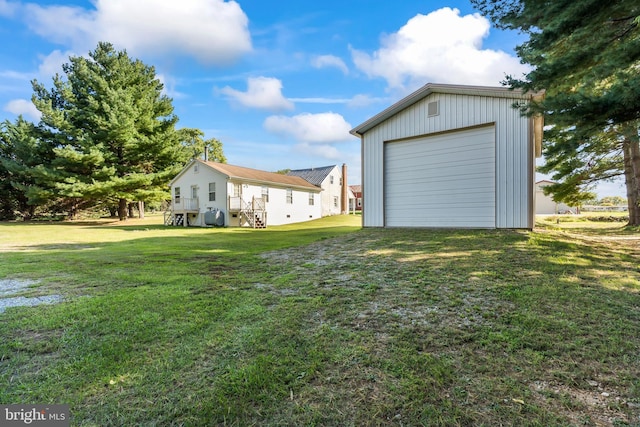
point(451, 156)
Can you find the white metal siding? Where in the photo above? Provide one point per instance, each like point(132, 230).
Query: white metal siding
point(446, 180)
point(514, 153)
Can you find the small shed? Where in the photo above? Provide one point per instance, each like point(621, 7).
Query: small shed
point(545, 205)
point(450, 156)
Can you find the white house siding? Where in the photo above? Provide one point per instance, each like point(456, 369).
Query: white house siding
point(514, 170)
point(280, 212)
point(201, 179)
point(330, 191)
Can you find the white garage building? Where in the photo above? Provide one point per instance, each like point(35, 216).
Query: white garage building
point(450, 156)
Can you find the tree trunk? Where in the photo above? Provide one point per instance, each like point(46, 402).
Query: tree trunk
point(130, 207)
point(628, 180)
point(631, 148)
point(122, 209)
point(73, 209)
point(141, 209)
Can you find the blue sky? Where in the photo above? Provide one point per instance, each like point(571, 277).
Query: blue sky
point(279, 83)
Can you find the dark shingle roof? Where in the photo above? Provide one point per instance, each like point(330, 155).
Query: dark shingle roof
point(314, 175)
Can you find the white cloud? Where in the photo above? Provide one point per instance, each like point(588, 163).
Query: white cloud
point(311, 128)
point(323, 150)
point(361, 100)
point(52, 63)
point(354, 102)
point(213, 31)
point(7, 9)
point(320, 100)
point(264, 93)
point(441, 47)
point(324, 61)
point(24, 107)
point(15, 75)
point(169, 86)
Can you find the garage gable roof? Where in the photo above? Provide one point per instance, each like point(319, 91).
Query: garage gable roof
point(428, 89)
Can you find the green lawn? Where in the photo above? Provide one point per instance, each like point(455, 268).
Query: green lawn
point(325, 323)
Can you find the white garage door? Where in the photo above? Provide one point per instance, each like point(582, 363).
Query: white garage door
point(445, 180)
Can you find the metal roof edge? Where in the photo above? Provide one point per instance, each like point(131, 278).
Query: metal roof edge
point(428, 89)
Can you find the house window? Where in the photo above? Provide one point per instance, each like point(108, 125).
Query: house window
point(176, 194)
point(335, 201)
point(195, 168)
point(237, 190)
point(194, 192)
point(212, 191)
point(340, 180)
point(331, 179)
point(359, 202)
point(265, 194)
point(311, 199)
point(289, 196)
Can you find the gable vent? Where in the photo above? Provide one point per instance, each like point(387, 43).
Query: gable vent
point(433, 108)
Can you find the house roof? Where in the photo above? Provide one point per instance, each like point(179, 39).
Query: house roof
point(428, 89)
point(356, 188)
point(254, 175)
point(313, 175)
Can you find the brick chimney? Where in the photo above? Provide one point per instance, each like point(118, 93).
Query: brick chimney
point(344, 205)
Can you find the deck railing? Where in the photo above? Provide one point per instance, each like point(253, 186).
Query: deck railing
point(185, 204)
point(239, 204)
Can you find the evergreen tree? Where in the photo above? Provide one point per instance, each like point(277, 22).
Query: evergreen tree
point(21, 153)
point(113, 131)
point(586, 57)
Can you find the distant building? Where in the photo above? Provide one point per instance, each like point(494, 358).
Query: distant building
point(333, 181)
point(545, 204)
point(357, 198)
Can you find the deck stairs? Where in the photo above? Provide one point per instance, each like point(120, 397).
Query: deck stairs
point(171, 218)
point(253, 213)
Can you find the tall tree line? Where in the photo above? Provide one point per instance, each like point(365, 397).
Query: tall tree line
point(107, 137)
point(585, 55)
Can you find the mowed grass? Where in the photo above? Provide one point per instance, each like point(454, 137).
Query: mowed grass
point(324, 323)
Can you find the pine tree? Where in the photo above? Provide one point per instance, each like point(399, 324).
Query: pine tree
point(112, 128)
point(21, 153)
point(585, 55)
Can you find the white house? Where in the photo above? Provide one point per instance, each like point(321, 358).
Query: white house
point(545, 204)
point(333, 181)
point(450, 156)
point(210, 193)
